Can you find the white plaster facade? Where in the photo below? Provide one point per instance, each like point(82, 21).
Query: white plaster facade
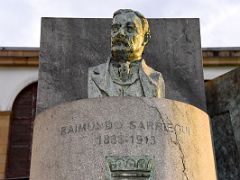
point(216, 71)
point(12, 81)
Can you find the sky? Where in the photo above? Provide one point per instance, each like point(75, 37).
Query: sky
point(20, 20)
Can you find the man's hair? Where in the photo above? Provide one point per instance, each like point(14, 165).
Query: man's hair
point(144, 21)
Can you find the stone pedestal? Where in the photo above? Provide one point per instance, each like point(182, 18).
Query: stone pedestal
point(122, 138)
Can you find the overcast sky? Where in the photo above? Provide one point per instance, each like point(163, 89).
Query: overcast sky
point(20, 20)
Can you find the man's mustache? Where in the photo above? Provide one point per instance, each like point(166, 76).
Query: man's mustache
point(120, 41)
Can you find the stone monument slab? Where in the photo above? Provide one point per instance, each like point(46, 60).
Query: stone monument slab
point(223, 105)
point(70, 46)
point(122, 138)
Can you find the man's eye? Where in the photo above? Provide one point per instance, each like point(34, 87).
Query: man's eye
point(130, 29)
point(115, 28)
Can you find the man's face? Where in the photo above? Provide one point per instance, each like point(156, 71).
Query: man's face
point(127, 37)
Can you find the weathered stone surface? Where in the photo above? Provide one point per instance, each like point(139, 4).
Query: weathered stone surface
point(70, 46)
point(223, 105)
point(226, 151)
point(78, 140)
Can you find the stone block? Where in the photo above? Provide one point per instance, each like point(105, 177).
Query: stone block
point(226, 151)
point(3, 149)
point(4, 140)
point(4, 119)
point(4, 132)
point(2, 175)
point(223, 105)
point(3, 158)
point(70, 46)
point(118, 138)
point(2, 169)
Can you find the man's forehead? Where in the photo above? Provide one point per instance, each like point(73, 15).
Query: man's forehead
point(126, 17)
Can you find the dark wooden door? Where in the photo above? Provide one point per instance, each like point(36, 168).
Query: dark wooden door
point(20, 137)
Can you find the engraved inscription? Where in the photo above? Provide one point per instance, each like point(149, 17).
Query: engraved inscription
point(124, 139)
point(107, 126)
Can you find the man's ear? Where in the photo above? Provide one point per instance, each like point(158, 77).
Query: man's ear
point(147, 37)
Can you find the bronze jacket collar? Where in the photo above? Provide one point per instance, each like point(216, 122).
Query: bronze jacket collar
point(149, 79)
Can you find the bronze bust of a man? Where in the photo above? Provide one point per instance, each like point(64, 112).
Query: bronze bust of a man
point(126, 73)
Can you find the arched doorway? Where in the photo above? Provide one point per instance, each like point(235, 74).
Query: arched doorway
point(20, 134)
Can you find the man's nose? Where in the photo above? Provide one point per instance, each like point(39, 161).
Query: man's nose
point(121, 31)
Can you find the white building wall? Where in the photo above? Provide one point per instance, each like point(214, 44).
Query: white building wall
point(213, 72)
point(14, 79)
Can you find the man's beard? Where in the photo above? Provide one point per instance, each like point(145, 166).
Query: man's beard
point(121, 54)
point(121, 49)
